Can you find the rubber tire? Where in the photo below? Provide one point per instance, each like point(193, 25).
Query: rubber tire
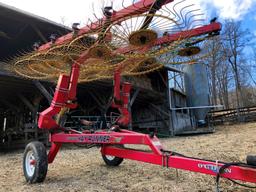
point(41, 165)
point(115, 162)
point(251, 160)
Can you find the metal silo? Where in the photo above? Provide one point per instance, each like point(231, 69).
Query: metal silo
point(197, 90)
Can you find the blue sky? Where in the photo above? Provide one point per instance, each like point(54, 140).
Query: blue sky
point(239, 10)
point(249, 21)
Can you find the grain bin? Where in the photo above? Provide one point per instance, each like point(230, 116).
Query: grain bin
point(197, 90)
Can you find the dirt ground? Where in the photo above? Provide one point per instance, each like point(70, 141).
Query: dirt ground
point(76, 169)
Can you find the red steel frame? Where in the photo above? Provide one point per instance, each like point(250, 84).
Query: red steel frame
point(65, 96)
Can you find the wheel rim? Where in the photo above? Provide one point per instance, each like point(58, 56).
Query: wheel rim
point(110, 157)
point(30, 163)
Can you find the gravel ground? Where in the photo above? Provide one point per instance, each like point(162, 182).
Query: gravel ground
point(77, 169)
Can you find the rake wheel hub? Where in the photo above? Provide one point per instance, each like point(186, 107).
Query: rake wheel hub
point(99, 52)
point(189, 51)
point(142, 37)
point(149, 61)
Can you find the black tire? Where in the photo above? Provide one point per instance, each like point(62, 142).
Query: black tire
point(251, 160)
point(113, 161)
point(35, 151)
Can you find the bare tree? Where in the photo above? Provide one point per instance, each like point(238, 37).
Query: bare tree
point(223, 82)
point(218, 71)
point(227, 66)
point(235, 39)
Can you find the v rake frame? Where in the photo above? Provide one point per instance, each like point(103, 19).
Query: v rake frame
point(113, 140)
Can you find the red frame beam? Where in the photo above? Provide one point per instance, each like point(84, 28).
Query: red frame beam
point(206, 29)
point(105, 137)
point(212, 27)
point(196, 165)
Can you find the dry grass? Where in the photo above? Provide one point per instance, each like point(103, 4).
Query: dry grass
point(77, 169)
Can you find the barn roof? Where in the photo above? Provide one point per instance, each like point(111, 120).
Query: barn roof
point(20, 30)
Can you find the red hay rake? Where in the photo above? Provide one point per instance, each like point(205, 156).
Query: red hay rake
point(102, 50)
